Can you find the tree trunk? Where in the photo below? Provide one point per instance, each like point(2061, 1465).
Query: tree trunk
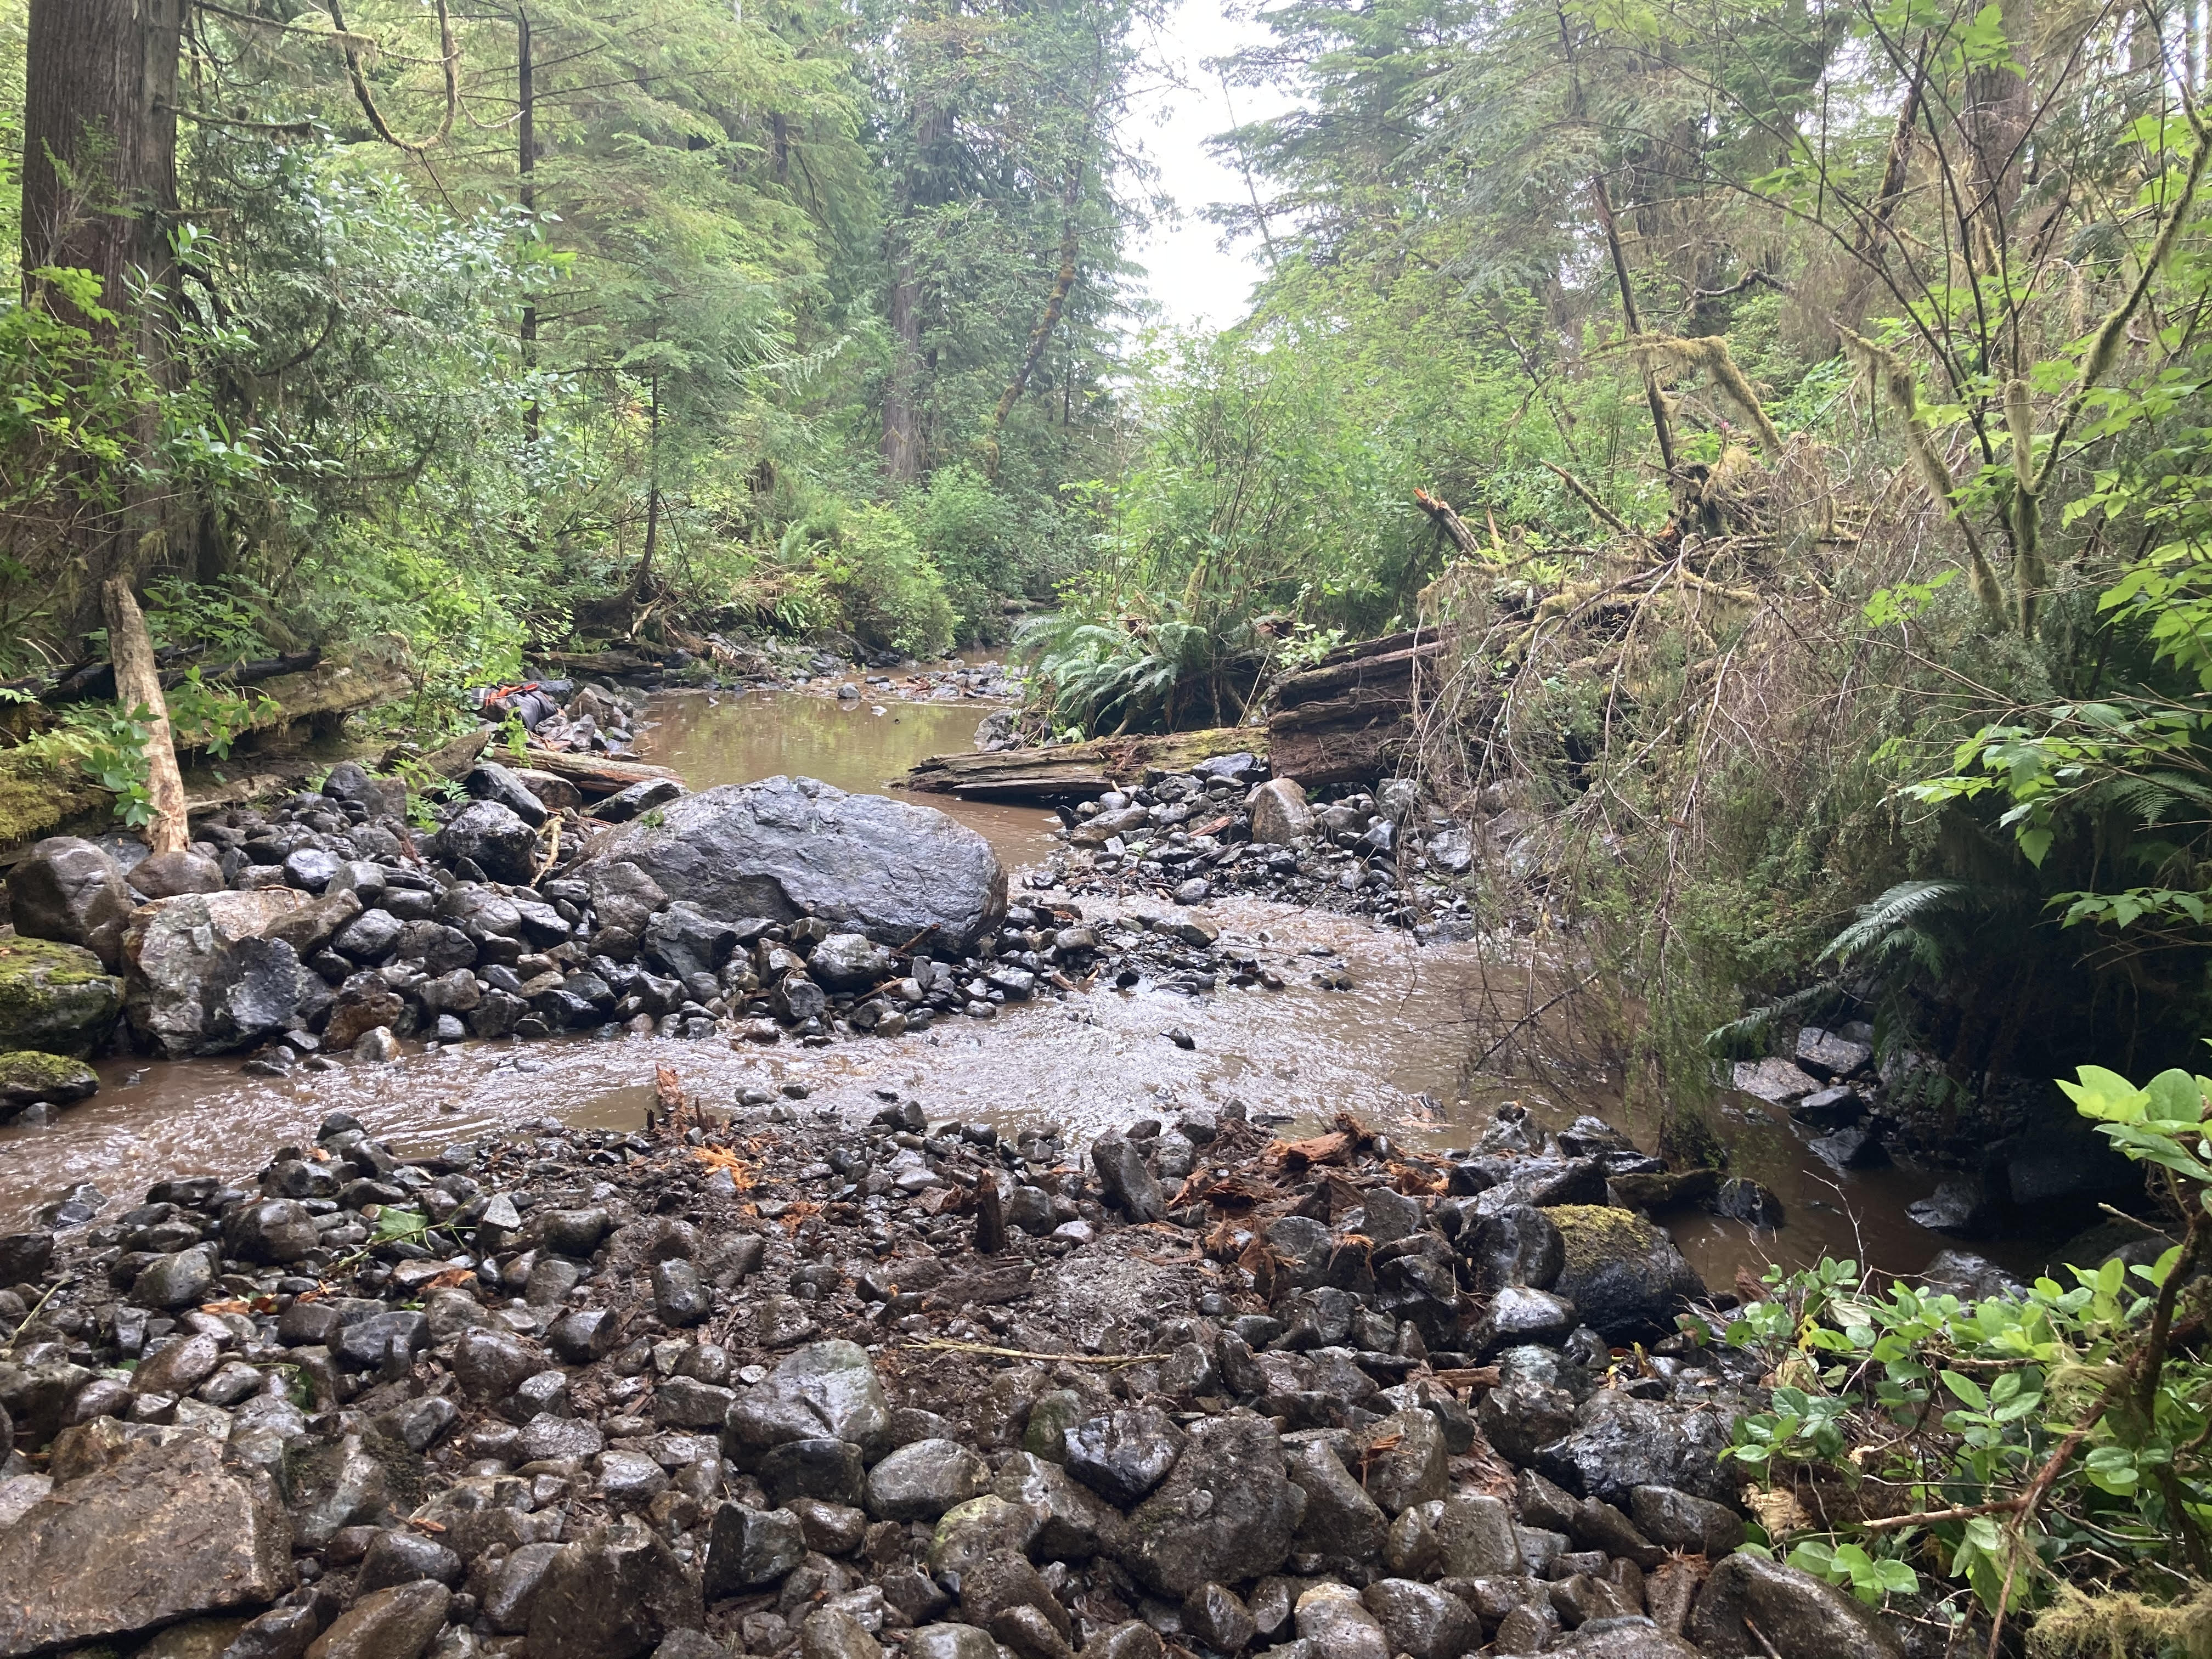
point(100, 194)
point(1999, 105)
point(901, 412)
point(525, 168)
point(138, 685)
point(1063, 284)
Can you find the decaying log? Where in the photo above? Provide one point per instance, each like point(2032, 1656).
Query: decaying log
point(613, 664)
point(1348, 719)
point(596, 775)
point(1077, 771)
point(138, 685)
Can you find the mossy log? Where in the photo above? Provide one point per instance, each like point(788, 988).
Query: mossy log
point(594, 774)
point(1077, 771)
point(39, 797)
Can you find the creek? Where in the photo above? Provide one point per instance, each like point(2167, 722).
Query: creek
point(1393, 1050)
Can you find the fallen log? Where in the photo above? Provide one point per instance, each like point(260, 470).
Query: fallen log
point(1349, 718)
point(596, 775)
point(1077, 771)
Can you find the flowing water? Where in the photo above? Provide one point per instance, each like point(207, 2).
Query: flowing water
point(1393, 1050)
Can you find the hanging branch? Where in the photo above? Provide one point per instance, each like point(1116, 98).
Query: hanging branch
point(2113, 331)
point(1662, 424)
point(1063, 285)
point(449, 56)
point(1896, 380)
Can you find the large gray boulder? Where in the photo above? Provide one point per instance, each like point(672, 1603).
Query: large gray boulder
point(784, 848)
point(55, 998)
point(166, 1531)
point(72, 890)
point(206, 975)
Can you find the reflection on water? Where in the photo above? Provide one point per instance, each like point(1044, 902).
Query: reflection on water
point(859, 746)
point(1391, 1050)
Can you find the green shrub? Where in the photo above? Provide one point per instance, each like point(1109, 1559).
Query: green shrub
point(891, 592)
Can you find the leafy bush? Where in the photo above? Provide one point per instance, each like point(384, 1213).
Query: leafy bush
point(891, 592)
point(2036, 1449)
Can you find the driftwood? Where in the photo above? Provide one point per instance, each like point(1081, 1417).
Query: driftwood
point(596, 775)
point(1348, 719)
point(1077, 771)
point(613, 664)
point(138, 685)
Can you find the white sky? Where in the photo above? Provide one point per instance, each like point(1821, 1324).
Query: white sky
point(1195, 282)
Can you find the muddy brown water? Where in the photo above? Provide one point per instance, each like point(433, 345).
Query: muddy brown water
point(1393, 1050)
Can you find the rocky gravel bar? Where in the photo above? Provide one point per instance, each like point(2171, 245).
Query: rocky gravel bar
point(764, 1381)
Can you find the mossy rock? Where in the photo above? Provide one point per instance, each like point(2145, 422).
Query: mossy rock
point(1622, 1273)
point(55, 998)
point(27, 1075)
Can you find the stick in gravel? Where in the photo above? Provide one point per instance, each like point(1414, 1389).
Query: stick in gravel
point(138, 685)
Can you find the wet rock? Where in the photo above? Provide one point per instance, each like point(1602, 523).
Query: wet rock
point(951, 1642)
point(629, 1480)
point(391, 1624)
point(28, 1077)
point(1778, 1082)
point(397, 1556)
point(920, 1481)
point(748, 1548)
point(1281, 815)
point(1850, 1148)
point(969, 1532)
point(678, 1297)
point(180, 1367)
point(1520, 1313)
point(1341, 1523)
point(1002, 1580)
point(1124, 1456)
point(275, 1230)
point(1746, 1200)
point(1405, 1460)
point(24, 1258)
point(1620, 1443)
point(488, 1364)
point(1129, 1183)
point(1677, 1520)
point(637, 800)
point(203, 976)
point(55, 998)
point(1523, 1413)
point(849, 962)
point(613, 1596)
point(784, 848)
point(1795, 1613)
point(1423, 1620)
point(1625, 1277)
point(164, 1532)
point(1826, 1055)
point(1336, 1623)
point(178, 1278)
point(1628, 1638)
point(1973, 1277)
point(488, 781)
point(1959, 1208)
point(1519, 1244)
point(820, 1467)
point(1075, 1524)
point(830, 1634)
point(1226, 1512)
point(494, 837)
point(73, 892)
point(1214, 1614)
point(828, 1389)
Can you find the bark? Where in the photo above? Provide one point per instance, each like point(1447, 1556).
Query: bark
point(100, 194)
point(1075, 771)
point(1999, 107)
point(905, 449)
point(138, 685)
point(525, 168)
point(1662, 424)
point(1063, 284)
